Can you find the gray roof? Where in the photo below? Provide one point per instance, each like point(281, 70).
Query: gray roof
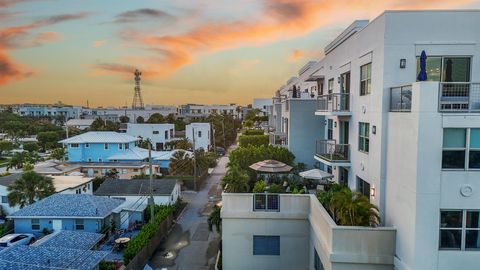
point(135, 187)
point(70, 239)
point(9, 179)
point(101, 137)
point(70, 205)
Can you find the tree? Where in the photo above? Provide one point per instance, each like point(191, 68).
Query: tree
point(248, 123)
point(124, 119)
point(255, 140)
point(179, 124)
point(111, 174)
point(156, 118)
point(246, 156)
point(259, 187)
point(215, 220)
point(140, 120)
point(104, 125)
point(48, 139)
point(5, 146)
point(31, 147)
point(58, 153)
point(236, 180)
point(183, 144)
point(144, 144)
point(181, 164)
point(29, 188)
point(170, 118)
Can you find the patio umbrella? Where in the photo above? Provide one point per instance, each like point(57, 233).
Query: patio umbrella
point(270, 166)
point(422, 76)
point(316, 174)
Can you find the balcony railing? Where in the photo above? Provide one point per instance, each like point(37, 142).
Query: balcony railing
point(337, 102)
point(331, 151)
point(459, 97)
point(278, 139)
point(401, 98)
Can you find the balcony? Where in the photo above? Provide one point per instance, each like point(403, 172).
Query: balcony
point(461, 97)
point(401, 98)
point(278, 139)
point(334, 104)
point(333, 154)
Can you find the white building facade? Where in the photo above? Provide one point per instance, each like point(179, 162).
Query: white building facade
point(201, 133)
point(262, 104)
point(158, 134)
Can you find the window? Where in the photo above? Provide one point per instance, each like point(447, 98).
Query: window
point(266, 202)
point(366, 79)
point(317, 263)
point(105, 146)
point(447, 69)
point(120, 146)
point(166, 134)
point(74, 145)
point(329, 169)
point(89, 159)
point(266, 245)
point(461, 148)
point(4, 199)
point(87, 145)
point(100, 160)
point(330, 129)
point(156, 132)
point(35, 224)
point(127, 146)
point(363, 187)
point(79, 225)
point(364, 137)
point(199, 134)
point(330, 88)
point(459, 229)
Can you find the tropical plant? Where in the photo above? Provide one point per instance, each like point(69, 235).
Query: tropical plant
point(140, 120)
point(31, 147)
point(246, 156)
point(28, 167)
point(275, 188)
point(236, 180)
point(183, 144)
point(104, 125)
point(124, 119)
point(19, 159)
point(144, 144)
point(48, 139)
point(215, 220)
point(29, 188)
point(253, 132)
point(58, 153)
point(259, 187)
point(156, 118)
point(111, 174)
point(181, 163)
point(248, 123)
point(349, 208)
point(5, 146)
point(254, 140)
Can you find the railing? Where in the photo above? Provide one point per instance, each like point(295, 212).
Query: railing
point(266, 202)
point(401, 98)
point(279, 139)
point(459, 97)
point(331, 151)
point(337, 102)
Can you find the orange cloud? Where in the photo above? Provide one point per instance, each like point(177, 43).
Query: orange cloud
point(280, 19)
point(98, 43)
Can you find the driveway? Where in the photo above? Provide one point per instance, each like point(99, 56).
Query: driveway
point(191, 245)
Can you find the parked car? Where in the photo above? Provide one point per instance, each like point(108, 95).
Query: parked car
point(14, 239)
point(220, 151)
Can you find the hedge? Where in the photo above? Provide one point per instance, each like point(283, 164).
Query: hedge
point(147, 232)
point(249, 132)
point(253, 140)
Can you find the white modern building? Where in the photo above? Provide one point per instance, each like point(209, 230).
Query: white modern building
point(200, 132)
point(47, 110)
point(158, 134)
point(114, 114)
point(201, 110)
point(412, 147)
point(262, 105)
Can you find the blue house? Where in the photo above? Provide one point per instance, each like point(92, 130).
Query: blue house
point(76, 212)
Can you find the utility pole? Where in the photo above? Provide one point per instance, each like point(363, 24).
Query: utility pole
point(223, 132)
point(194, 161)
point(151, 201)
point(214, 146)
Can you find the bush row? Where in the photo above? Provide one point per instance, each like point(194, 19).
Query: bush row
point(253, 140)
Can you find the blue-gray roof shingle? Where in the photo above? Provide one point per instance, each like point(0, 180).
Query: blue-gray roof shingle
point(70, 239)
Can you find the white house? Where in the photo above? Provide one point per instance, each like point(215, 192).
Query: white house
point(411, 147)
point(262, 105)
point(201, 133)
point(62, 184)
point(79, 123)
point(158, 134)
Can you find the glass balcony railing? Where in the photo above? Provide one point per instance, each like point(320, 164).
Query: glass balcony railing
point(337, 102)
point(330, 151)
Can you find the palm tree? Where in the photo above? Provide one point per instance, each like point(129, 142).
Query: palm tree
point(181, 164)
point(29, 188)
point(215, 220)
point(236, 180)
point(111, 174)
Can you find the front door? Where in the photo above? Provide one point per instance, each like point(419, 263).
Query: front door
point(57, 225)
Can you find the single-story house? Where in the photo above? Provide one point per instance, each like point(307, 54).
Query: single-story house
point(79, 123)
point(77, 212)
point(61, 250)
point(62, 184)
point(165, 191)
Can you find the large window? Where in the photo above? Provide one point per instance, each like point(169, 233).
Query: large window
point(79, 225)
point(363, 187)
point(459, 229)
point(330, 129)
point(266, 245)
point(35, 224)
point(461, 148)
point(364, 137)
point(366, 79)
point(330, 88)
point(166, 134)
point(74, 145)
point(105, 146)
point(447, 69)
point(266, 202)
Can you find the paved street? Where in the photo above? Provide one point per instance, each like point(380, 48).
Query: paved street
point(191, 245)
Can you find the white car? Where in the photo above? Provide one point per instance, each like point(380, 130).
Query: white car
point(16, 239)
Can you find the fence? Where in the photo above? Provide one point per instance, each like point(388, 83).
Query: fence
point(459, 97)
point(337, 102)
point(141, 259)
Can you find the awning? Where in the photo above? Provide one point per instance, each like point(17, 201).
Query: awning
point(270, 166)
point(316, 174)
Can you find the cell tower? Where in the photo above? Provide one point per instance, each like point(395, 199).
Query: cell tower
point(137, 103)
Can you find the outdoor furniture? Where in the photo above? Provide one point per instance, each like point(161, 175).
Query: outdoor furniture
point(122, 240)
point(270, 166)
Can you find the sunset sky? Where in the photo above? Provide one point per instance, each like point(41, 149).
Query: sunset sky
point(190, 51)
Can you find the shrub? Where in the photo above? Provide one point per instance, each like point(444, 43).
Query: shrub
point(246, 156)
point(147, 232)
point(254, 140)
point(249, 132)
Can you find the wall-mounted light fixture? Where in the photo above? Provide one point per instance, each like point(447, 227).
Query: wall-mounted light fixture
point(339, 80)
point(403, 63)
point(374, 129)
point(372, 192)
point(335, 124)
